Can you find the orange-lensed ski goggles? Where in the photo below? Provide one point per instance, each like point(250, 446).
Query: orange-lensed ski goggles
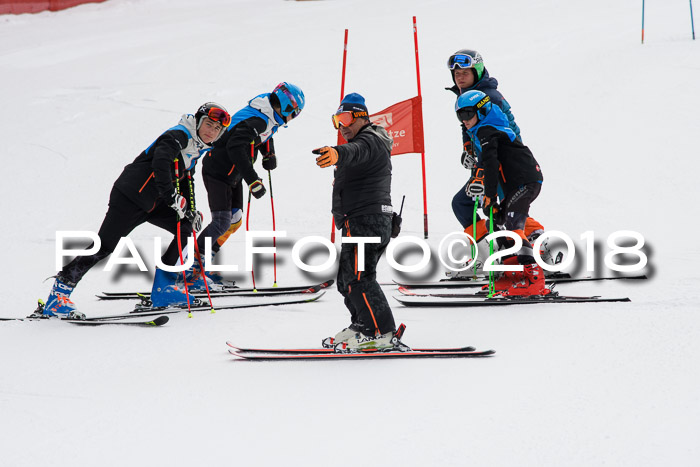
point(219, 115)
point(346, 118)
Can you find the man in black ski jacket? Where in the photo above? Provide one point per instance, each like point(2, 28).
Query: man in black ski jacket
point(361, 208)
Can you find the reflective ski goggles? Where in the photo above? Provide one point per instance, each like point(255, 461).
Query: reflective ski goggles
point(219, 115)
point(294, 110)
point(346, 118)
point(466, 113)
point(460, 61)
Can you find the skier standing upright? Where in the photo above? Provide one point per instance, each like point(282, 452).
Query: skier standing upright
point(232, 159)
point(361, 208)
point(146, 192)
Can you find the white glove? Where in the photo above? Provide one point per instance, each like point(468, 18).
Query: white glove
point(179, 204)
point(196, 218)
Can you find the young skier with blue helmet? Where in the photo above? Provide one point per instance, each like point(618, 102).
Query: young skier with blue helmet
point(231, 162)
point(507, 162)
point(469, 73)
point(146, 192)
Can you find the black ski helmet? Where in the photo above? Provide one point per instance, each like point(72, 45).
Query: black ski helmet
point(466, 58)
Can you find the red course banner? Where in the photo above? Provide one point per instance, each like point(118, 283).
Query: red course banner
point(35, 6)
point(404, 123)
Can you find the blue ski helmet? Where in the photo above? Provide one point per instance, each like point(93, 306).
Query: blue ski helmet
point(472, 103)
point(290, 98)
point(466, 58)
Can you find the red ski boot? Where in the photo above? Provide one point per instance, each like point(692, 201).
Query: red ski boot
point(508, 278)
point(531, 283)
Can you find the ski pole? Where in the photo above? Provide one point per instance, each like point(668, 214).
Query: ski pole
point(473, 245)
point(274, 239)
point(196, 246)
point(179, 241)
point(492, 285)
point(247, 215)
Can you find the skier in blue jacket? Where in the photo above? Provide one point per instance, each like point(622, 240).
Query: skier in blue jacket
point(470, 74)
point(507, 163)
point(232, 159)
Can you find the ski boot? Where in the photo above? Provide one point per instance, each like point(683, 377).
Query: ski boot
point(507, 278)
point(59, 304)
point(469, 274)
point(387, 342)
point(195, 279)
point(342, 336)
point(165, 291)
point(531, 283)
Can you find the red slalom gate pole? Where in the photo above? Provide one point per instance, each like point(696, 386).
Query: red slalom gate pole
point(342, 94)
point(422, 155)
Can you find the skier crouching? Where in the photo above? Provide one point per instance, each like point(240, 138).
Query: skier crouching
point(231, 162)
point(507, 161)
point(146, 192)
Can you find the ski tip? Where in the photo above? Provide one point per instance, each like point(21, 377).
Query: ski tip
point(159, 321)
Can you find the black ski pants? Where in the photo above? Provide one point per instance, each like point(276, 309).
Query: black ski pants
point(363, 296)
point(122, 217)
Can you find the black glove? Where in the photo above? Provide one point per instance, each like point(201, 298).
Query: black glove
point(269, 162)
point(257, 188)
point(178, 204)
point(489, 203)
point(395, 225)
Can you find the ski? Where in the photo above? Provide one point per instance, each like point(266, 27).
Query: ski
point(322, 354)
point(150, 311)
point(306, 298)
point(159, 321)
point(227, 292)
point(307, 351)
point(463, 283)
point(476, 300)
point(130, 320)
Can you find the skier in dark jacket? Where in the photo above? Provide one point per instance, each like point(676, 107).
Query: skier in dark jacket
point(361, 208)
point(507, 162)
point(146, 192)
point(470, 74)
point(231, 162)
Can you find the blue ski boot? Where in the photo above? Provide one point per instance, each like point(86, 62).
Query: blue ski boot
point(165, 292)
point(59, 304)
point(195, 279)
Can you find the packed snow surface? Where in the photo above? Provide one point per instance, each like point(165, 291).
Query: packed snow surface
point(612, 122)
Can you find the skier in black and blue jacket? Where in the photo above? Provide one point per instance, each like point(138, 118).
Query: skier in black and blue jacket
point(232, 159)
point(146, 192)
point(470, 74)
point(509, 164)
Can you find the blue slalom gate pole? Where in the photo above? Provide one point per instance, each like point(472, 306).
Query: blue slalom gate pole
point(642, 21)
point(692, 23)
